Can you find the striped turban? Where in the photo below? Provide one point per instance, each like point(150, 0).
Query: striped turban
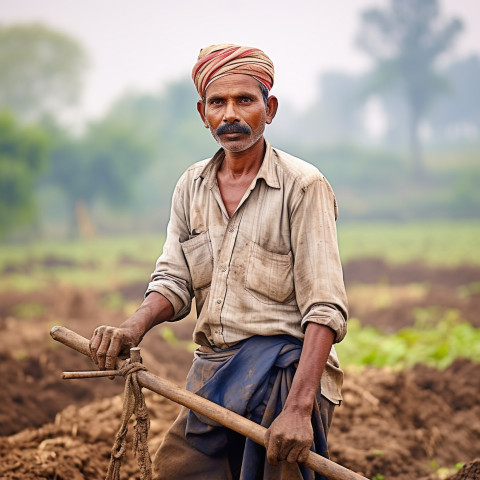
point(217, 61)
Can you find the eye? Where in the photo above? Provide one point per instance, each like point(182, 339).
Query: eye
point(215, 101)
point(246, 100)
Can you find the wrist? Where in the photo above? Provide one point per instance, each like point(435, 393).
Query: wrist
point(299, 406)
point(134, 329)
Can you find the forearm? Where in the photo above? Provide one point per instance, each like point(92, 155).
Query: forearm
point(155, 309)
point(316, 348)
point(291, 435)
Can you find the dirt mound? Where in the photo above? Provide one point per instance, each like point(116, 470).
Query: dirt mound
point(31, 363)
point(399, 424)
point(33, 392)
point(470, 471)
point(77, 445)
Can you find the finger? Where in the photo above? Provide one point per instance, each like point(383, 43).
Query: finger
point(284, 450)
point(293, 455)
point(94, 344)
point(303, 455)
point(102, 351)
point(273, 451)
point(112, 353)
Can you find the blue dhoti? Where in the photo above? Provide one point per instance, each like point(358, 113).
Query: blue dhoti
point(253, 379)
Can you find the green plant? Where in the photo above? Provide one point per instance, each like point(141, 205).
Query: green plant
point(436, 339)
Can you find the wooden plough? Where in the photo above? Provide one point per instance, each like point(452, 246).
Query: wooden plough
point(196, 403)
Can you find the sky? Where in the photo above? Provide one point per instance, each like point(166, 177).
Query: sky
point(144, 44)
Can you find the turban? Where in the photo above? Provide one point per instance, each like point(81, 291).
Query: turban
point(217, 61)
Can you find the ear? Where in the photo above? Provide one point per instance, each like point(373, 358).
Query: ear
point(201, 111)
point(272, 106)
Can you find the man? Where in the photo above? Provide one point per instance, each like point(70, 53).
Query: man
point(252, 237)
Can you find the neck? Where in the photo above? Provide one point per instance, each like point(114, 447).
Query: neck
point(246, 162)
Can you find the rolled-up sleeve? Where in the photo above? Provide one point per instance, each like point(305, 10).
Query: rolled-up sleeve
point(171, 277)
point(318, 275)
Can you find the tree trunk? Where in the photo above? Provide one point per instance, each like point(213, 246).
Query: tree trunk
point(418, 167)
point(85, 226)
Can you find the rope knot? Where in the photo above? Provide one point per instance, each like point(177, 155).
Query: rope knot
point(131, 367)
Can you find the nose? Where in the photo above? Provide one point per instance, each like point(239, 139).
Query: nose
point(230, 114)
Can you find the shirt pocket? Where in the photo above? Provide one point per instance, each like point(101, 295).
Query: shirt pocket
point(269, 276)
point(199, 256)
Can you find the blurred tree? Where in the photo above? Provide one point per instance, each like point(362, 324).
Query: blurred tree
point(406, 40)
point(169, 120)
point(102, 165)
point(40, 70)
point(23, 155)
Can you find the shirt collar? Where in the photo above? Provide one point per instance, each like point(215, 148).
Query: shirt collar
point(267, 171)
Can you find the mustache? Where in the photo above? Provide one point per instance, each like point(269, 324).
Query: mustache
point(232, 128)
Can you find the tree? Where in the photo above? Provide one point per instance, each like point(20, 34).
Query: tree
point(23, 155)
point(101, 165)
point(40, 70)
point(407, 39)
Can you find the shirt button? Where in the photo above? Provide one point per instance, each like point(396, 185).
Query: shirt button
point(231, 229)
point(223, 268)
point(219, 301)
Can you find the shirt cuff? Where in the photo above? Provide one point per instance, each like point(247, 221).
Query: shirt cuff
point(180, 309)
point(328, 316)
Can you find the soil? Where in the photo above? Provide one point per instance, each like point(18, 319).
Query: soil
point(414, 424)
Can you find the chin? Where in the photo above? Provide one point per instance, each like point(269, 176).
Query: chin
point(237, 146)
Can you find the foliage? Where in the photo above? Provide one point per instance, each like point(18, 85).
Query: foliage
point(41, 70)
point(101, 165)
point(23, 155)
point(437, 339)
point(406, 40)
point(170, 121)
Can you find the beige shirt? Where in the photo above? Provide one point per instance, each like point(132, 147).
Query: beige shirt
point(269, 269)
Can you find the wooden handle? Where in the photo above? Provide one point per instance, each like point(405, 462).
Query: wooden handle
point(205, 407)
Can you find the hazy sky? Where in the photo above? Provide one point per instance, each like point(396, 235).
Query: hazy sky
point(143, 44)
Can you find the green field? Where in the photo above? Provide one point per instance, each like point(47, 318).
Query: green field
point(110, 261)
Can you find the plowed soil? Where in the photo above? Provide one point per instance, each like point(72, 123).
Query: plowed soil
point(414, 424)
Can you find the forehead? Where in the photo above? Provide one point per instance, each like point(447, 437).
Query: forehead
point(233, 84)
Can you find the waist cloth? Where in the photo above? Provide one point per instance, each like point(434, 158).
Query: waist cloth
point(253, 379)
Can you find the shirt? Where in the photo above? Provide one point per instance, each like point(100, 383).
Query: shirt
point(269, 269)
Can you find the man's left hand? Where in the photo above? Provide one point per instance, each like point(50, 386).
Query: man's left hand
point(289, 438)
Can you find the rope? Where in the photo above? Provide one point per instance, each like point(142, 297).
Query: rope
point(133, 403)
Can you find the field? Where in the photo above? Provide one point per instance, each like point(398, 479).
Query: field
point(411, 405)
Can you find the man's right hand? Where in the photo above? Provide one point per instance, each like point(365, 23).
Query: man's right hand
point(108, 343)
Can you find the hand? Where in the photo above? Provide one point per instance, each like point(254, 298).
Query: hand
point(289, 438)
point(107, 343)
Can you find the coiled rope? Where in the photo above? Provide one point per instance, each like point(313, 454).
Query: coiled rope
point(133, 403)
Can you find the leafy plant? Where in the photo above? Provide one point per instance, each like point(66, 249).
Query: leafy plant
point(436, 339)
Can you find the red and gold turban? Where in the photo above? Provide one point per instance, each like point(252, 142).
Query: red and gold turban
point(216, 61)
